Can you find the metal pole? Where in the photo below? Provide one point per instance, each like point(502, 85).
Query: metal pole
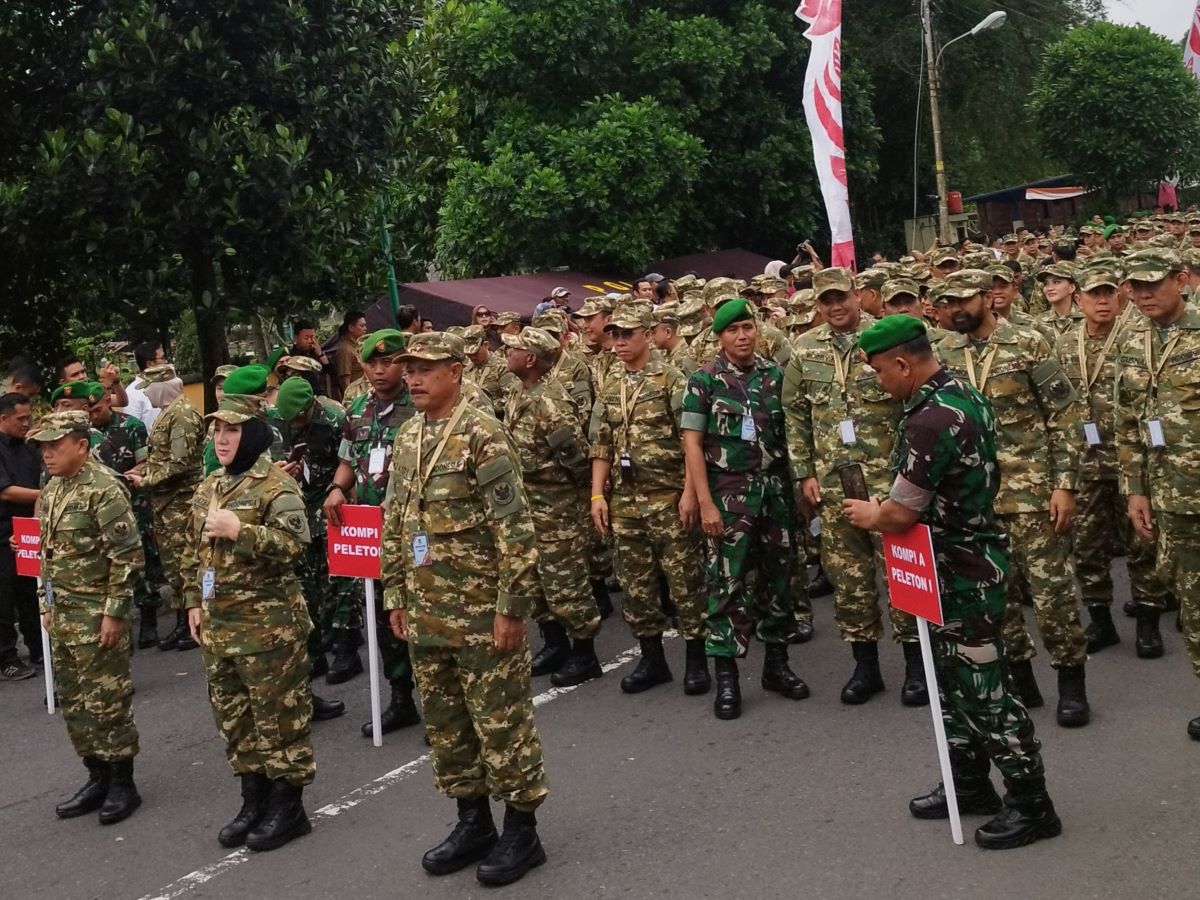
point(939, 730)
point(47, 662)
point(373, 665)
point(936, 114)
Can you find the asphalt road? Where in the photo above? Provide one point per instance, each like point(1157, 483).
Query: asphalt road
point(650, 795)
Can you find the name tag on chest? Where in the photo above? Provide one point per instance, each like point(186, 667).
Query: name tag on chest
point(749, 432)
point(376, 460)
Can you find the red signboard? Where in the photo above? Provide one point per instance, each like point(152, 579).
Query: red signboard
point(912, 573)
point(354, 546)
point(27, 539)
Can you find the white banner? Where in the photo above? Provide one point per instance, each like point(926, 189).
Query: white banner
point(1191, 50)
point(823, 110)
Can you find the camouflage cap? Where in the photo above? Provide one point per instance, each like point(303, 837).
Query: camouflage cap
point(934, 291)
point(508, 318)
point(435, 346)
point(997, 270)
point(721, 287)
point(594, 306)
point(1092, 277)
point(980, 259)
point(1191, 258)
point(234, 409)
point(966, 283)
point(383, 342)
point(894, 287)
point(804, 271)
point(1144, 226)
point(72, 390)
point(472, 339)
point(765, 284)
point(835, 278)
point(541, 344)
point(1175, 217)
point(159, 374)
point(299, 363)
point(55, 425)
point(1153, 264)
point(223, 372)
point(460, 330)
point(1010, 239)
point(943, 255)
point(688, 282)
point(872, 278)
point(892, 268)
point(628, 317)
point(1168, 241)
point(1057, 270)
point(667, 314)
point(916, 271)
point(802, 300)
point(551, 321)
point(1193, 228)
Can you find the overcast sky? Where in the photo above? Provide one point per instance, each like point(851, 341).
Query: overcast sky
point(1169, 17)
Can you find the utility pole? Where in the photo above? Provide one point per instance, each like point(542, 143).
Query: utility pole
point(935, 111)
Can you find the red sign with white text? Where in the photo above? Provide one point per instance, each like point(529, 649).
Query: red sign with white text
point(27, 543)
point(912, 573)
point(354, 547)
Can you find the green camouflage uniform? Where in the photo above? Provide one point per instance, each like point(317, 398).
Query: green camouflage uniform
point(254, 626)
point(749, 566)
point(1039, 433)
point(816, 404)
point(471, 509)
point(91, 554)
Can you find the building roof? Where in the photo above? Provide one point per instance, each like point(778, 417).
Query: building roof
point(1017, 192)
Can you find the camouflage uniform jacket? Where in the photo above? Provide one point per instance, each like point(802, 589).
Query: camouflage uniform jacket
point(636, 416)
point(315, 448)
point(256, 603)
point(122, 443)
point(469, 508)
point(369, 427)
point(357, 388)
point(175, 453)
point(602, 363)
point(91, 551)
point(493, 377)
point(817, 400)
point(1169, 475)
point(572, 372)
point(1097, 462)
point(772, 344)
point(1040, 421)
point(544, 427)
point(1053, 326)
point(680, 357)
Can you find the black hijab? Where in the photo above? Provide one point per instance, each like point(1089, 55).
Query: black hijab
point(256, 439)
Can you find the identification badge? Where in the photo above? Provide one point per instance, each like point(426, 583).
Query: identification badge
point(1157, 438)
point(1091, 433)
point(846, 430)
point(305, 473)
point(420, 549)
point(208, 584)
point(814, 527)
point(627, 472)
point(376, 460)
point(49, 592)
point(749, 432)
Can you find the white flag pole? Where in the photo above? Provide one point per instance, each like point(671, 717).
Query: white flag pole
point(373, 666)
point(939, 729)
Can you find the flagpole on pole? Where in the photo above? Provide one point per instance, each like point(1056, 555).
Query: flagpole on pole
point(47, 663)
point(373, 666)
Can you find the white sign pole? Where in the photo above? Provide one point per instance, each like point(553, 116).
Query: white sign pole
point(373, 664)
point(939, 729)
point(47, 663)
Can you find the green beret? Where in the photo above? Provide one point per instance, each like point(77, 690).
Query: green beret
point(247, 380)
point(383, 342)
point(889, 332)
point(273, 360)
point(730, 312)
point(95, 391)
point(72, 390)
point(294, 397)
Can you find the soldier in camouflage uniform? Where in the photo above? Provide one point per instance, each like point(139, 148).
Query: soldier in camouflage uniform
point(211, 464)
point(736, 456)
point(459, 572)
point(595, 315)
point(838, 415)
point(665, 333)
point(487, 369)
point(545, 430)
point(1039, 437)
point(246, 532)
point(90, 555)
point(635, 440)
point(947, 476)
point(1158, 435)
point(1058, 286)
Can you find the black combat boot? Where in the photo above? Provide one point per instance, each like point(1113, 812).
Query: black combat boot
point(651, 670)
point(401, 712)
point(696, 680)
point(1101, 632)
point(1193, 728)
point(346, 661)
point(728, 702)
point(556, 647)
point(1073, 710)
point(171, 641)
point(1149, 644)
point(318, 667)
point(90, 797)
point(582, 665)
point(972, 786)
point(122, 798)
point(471, 840)
point(777, 675)
point(601, 597)
point(802, 632)
point(914, 691)
point(867, 680)
point(326, 709)
point(147, 627)
point(1130, 608)
point(284, 819)
point(255, 788)
point(819, 585)
point(518, 850)
point(185, 641)
point(1028, 816)
point(1024, 685)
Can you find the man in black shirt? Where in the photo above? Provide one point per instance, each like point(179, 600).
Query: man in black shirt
point(20, 475)
point(304, 343)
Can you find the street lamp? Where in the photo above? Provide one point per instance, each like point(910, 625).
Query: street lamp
point(991, 22)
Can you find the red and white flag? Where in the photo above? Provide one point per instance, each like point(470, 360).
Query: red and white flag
point(823, 110)
point(1191, 50)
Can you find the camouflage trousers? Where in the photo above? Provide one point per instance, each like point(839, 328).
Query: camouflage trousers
point(96, 695)
point(393, 652)
point(1099, 511)
point(478, 711)
point(332, 602)
point(1179, 568)
point(172, 526)
point(656, 543)
point(852, 558)
point(566, 597)
point(1044, 558)
point(804, 554)
point(262, 704)
point(150, 578)
point(749, 569)
point(599, 554)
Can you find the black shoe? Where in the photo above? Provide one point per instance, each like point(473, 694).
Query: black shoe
point(582, 665)
point(914, 691)
point(147, 627)
point(556, 647)
point(256, 787)
point(696, 680)
point(346, 661)
point(318, 666)
point(802, 632)
point(1130, 608)
point(819, 585)
point(1073, 710)
point(90, 797)
point(122, 798)
point(471, 840)
point(601, 598)
point(518, 850)
point(401, 712)
point(975, 798)
point(1024, 685)
point(777, 675)
point(728, 702)
point(1193, 729)
point(186, 641)
point(284, 820)
point(1028, 816)
point(1101, 632)
point(171, 641)
point(651, 670)
point(1149, 642)
point(323, 709)
point(16, 670)
point(867, 680)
